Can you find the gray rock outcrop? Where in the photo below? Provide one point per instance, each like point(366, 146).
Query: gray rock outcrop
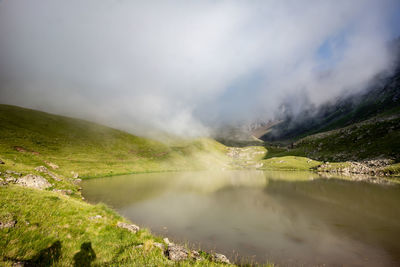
point(176, 253)
point(130, 227)
point(35, 181)
point(43, 169)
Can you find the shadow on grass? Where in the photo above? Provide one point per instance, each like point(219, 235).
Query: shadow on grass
point(85, 256)
point(46, 257)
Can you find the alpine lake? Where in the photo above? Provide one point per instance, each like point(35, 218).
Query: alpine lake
point(287, 218)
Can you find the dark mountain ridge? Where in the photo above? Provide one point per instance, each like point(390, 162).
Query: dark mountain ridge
point(380, 98)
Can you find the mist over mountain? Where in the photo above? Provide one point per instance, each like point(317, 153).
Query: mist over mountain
point(380, 97)
point(184, 67)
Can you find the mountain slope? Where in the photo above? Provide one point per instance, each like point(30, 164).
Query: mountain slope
point(30, 138)
point(381, 98)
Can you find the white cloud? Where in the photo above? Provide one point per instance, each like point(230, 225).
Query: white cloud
point(179, 66)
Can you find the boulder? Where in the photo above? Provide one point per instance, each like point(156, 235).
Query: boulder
point(130, 227)
point(35, 181)
point(176, 253)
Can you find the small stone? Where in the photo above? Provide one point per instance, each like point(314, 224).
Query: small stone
point(52, 165)
point(196, 255)
point(130, 227)
point(13, 172)
point(95, 217)
point(19, 264)
point(41, 169)
point(35, 181)
point(220, 258)
point(74, 175)
point(1, 162)
point(77, 181)
point(8, 224)
point(45, 170)
point(54, 176)
point(66, 192)
point(138, 246)
point(10, 179)
point(166, 240)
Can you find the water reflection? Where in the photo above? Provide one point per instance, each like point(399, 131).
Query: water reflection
point(290, 218)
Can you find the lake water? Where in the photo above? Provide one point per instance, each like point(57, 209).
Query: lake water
point(288, 218)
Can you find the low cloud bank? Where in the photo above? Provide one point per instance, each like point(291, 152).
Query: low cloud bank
point(184, 67)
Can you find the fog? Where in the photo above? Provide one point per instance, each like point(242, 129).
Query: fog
point(184, 67)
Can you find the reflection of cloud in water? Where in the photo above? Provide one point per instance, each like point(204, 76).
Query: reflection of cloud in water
point(286, 217)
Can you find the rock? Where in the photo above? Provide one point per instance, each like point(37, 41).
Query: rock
point(95, 217)
point(20, 149)
point(176, 253)
point(130, 227)
point(220, 258)
point(138, 246)
point(196, 255)
point(35, 181)
point(1, 162)
point(10, 179)
point(54, 176)
point(8, 224)
point(43, 169)
point(2, 182)
point(77, 181)
point(166, 240)
point(20, 264)
point(66, 192)
point(75, 175)
point(159, 245)
point(13, 172)
point(52, 165)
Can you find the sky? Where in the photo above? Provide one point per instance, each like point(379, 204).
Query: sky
point(185, 67)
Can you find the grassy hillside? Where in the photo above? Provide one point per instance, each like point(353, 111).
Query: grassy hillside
point(54, 227)
point(376, 138)
point(30, 138)
point(56, 230)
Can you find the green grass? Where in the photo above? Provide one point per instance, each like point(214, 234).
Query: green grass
point(93, 150)
point(53, 229)
point(379, 138)
point(294, 163)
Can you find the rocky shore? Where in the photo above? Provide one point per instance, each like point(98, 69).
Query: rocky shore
point(367, 170)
